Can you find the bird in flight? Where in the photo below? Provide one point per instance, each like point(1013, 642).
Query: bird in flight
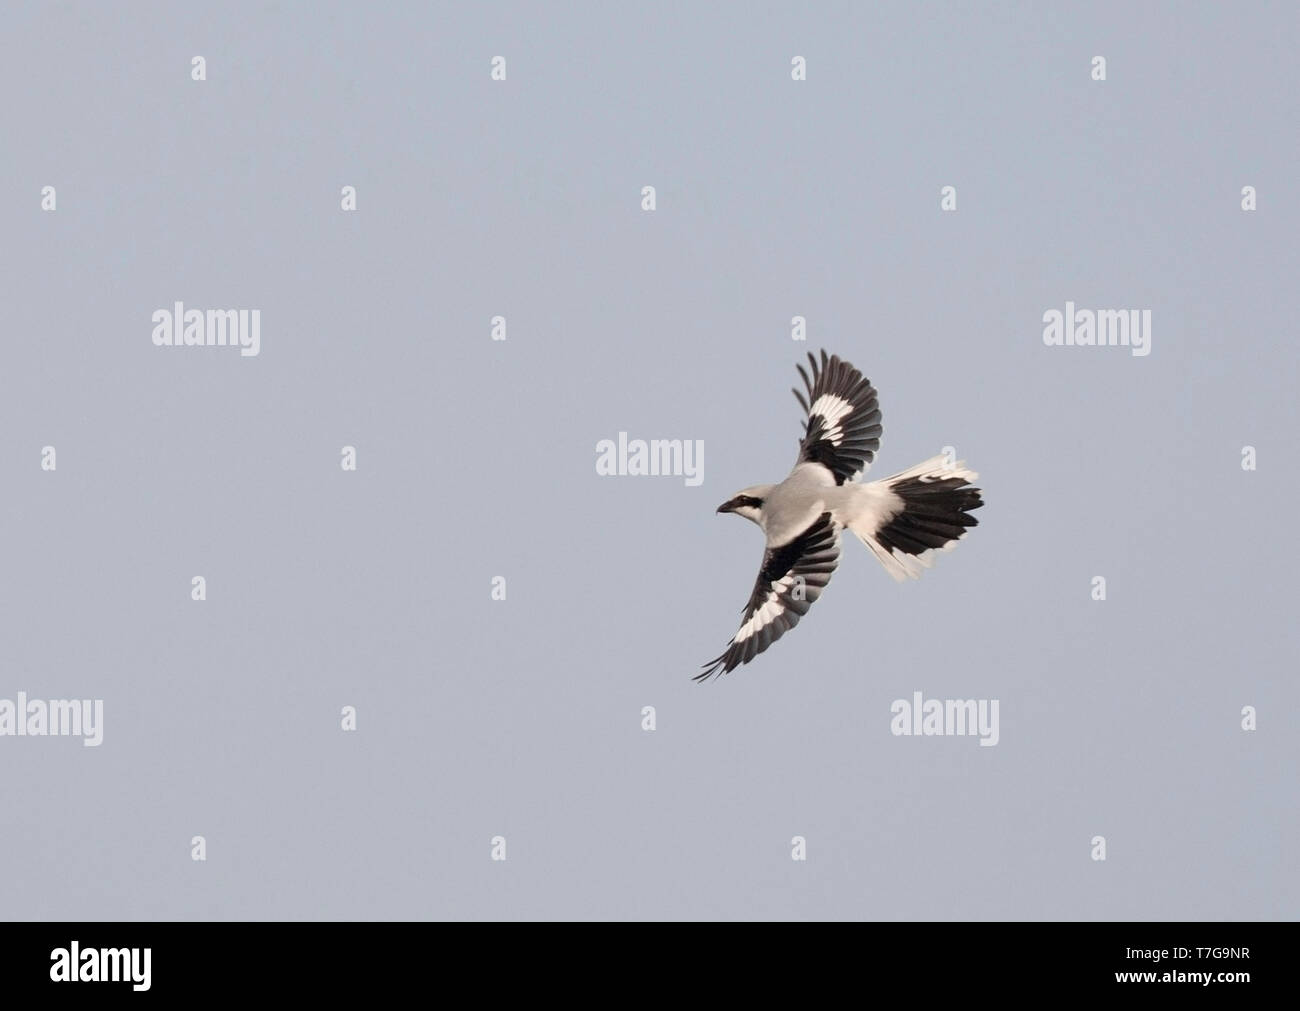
point(903, 519)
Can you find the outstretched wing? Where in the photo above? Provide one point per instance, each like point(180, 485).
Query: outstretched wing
point(842, 432)
point(792, 576)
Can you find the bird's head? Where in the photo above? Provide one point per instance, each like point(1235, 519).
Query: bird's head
point(747, 502)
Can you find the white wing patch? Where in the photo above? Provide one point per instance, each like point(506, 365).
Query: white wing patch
point(832, 409)
point(772, 606)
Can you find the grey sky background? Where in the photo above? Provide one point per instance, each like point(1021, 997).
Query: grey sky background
point(477, 459)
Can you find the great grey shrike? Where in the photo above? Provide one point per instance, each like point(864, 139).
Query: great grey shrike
point(904, 519)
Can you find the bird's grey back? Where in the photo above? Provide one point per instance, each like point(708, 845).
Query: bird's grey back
point(796, 502)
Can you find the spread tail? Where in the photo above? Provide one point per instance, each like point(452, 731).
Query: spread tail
point(905, 519)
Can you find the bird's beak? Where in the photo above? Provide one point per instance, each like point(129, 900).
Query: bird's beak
point(728, 506)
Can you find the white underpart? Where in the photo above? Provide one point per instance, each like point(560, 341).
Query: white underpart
point(872, 506)
point(833, 409)
point(766, 614)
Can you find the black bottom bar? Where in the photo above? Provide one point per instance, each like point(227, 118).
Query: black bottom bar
point(334, 960)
